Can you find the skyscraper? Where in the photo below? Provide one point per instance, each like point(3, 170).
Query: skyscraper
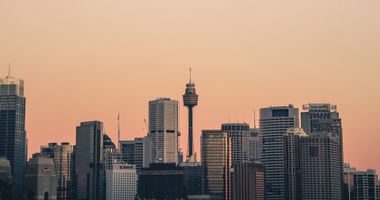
point(248, 181)
point(163, 130)
point(321, 167)
point(62, 156)
point(121, 182)
point(239, 134)
point(254, 145)
point(190, 100)
point(137, 152)
point(41, 179)
point(216, 160)
point(88, 159)
point(5, 179)
point(365, 183)
point(12, 130)
point(274, 122)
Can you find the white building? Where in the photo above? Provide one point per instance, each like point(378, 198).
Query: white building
point(163, 130)
point(121, 182)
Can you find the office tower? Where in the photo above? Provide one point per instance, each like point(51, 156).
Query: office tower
point(12, 130)
point(62, 156)
point(254, 145)
point(321, 167)
point(378, 190)
point(292, 168)
point(248, 181)
point(121, 182)
point(193, 177)
point(348, 181)
point(161, 181)
point(110, 154)
point(163, 130)
point(190, 100)
point(41, 180)
point(88, 159)
point(5, 179)
point(274, 122)
point(365, 183)
point(137, 152)
point(216, 159)
point(239, 134)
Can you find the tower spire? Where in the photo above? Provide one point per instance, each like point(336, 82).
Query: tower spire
point(190, 74)
point(254, 118)
point(9, 69)
point(118, 131)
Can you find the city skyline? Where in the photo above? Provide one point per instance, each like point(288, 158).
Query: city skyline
point(67, 81)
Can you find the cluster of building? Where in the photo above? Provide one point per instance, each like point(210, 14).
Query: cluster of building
point(282, 159)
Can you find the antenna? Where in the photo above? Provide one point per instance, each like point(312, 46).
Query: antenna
point(118, 130)
point(254, 117)
point(9, 69)
point(190, 74)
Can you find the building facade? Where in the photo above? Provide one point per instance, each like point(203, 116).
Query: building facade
point(163, 130)
point(192, 177)
point(88, 160)
point(254, 145)
point(13, 143)
point(365, 183)
point(5, 179)
point(137, 152)
point(41, 180)
point(239, 134)
point(274, 122)
point(216, 159)
point(121, 182)
point(62, 156)
point(248, 181)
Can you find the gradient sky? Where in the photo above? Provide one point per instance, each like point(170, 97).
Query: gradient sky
point(88, 60)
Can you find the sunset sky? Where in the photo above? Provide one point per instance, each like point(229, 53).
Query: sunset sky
point(88, 60)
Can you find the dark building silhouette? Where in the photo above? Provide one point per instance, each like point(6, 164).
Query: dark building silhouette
point(248, 181)
point(192, 177)
point(5, 179)
point(12, 130)
point(161, 181)
point(88, 160)
point(364, 187)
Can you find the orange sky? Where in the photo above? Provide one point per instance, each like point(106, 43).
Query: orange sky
point(89, 60)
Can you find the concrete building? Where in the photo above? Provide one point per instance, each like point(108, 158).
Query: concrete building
point(41, 179)
point(254, 145)
point(62, 156)
point(348, 181)
point(248, 181)
point(163, 130)
point(274, 122)
point(365, 183)
point(13, 143)
point(121, 182)
point(239, 134)
point(190, 100)
point(321, 167)
point(137, 152)
point(161, 181)
point(216, 159)
point(5, 179)
point(192, 177)
point(88, 160)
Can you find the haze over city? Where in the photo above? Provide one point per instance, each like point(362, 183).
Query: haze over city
point(91, 60)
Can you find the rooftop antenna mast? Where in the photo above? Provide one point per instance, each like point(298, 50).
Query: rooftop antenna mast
point(118, 131)
point(254, 118)
point(9, 69)
point(190, 74)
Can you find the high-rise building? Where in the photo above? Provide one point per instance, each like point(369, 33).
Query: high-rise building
point(216, 157)
point(274, 122)
point(292, 168)
point(5, 179)
point(348, 181)
point(365, 183)
point(88, 159)
point(193, 177)
point(248, 181)
point(378, 190)
point(161, 181)
point(12, 130)
point(254, 145)
point(321, 167)
point(239, 134)
point(121, 182)
point(41, 179)
point(163, 130)
point(190, 100)
point(62, 156)
point(137, 152)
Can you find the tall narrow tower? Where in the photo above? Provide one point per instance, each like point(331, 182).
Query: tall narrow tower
point(190, 100)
